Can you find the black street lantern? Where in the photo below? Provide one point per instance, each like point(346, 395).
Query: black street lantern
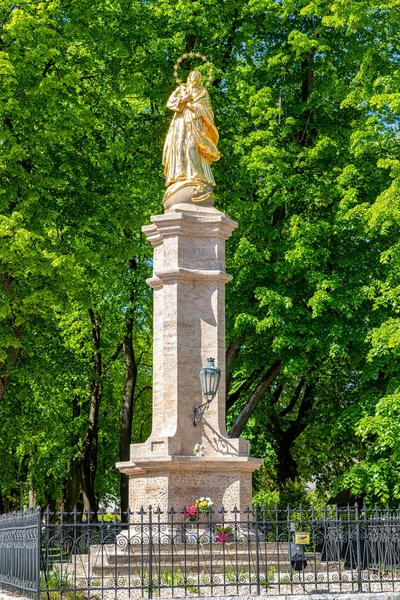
point(210, 377)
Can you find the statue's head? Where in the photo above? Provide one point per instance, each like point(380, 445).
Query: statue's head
point(195, 77)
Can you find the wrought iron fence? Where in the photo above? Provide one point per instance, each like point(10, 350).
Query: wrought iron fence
point(20, 552)
point(178, 553)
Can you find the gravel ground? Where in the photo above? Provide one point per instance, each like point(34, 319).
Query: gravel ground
point(286, 593)
point(11, 596)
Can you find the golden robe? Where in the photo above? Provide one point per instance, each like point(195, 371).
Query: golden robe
point(191, 143)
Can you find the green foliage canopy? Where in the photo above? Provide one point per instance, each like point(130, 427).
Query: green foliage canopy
point(306, 99)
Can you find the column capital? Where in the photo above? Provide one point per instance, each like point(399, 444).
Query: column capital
point(190, 221)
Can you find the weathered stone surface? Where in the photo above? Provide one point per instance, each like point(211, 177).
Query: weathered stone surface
point(189, 326)
point(178, 488)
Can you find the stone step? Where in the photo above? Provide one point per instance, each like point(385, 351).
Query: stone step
point(192, 568)
point(193, 564)
point(203, 555)
point(135, 577)
point(231, 554)
point(192, 546)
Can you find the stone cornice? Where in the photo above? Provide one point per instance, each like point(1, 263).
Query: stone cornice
point(181, 274)
point(219, 464)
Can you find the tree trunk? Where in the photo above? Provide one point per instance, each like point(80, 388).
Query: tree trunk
point(308, 76)
point(287, 467)
point(90, 449)
point(32, 499)
point(72, 487)
point(90, 442)
point(128, 399)
point(51, 506)
point(126, 415)
point(83, 468)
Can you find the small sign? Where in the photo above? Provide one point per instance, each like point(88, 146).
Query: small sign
point(302, 538)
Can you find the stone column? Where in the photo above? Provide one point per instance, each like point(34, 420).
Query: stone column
point(189, 326)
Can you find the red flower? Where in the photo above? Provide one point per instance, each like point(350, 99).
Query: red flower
point(190, 513)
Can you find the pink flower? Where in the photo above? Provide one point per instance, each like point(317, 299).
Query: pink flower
point(222, 537)
point(190, 513)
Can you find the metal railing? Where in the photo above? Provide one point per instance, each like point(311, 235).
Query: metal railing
point(178, 554)
point(20, 552)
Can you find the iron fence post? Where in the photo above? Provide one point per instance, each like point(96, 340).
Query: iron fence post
point(38, 550)
point(359, 565)
point(257, 550)
point(150, 553)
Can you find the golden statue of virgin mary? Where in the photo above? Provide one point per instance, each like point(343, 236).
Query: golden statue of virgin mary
point(191, 145)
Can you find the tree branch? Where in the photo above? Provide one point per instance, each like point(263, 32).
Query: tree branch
point(276, 395)
point(113, 357)
point(95, 320)
point(144, 389)
point(231, 353)
point(246, 385)
point(48, 67)
point(229, 46)
point(297, 426)
point(255, 398)
point(293, 399)
point(139, 360)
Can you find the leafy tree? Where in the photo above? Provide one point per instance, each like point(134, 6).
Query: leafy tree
point(72, 213)
point(305, 98)
point(309, 138)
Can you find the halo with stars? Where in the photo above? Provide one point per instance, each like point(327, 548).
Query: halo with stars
point(193, 55)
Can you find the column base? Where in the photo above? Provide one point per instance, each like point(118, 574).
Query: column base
point(176, 481)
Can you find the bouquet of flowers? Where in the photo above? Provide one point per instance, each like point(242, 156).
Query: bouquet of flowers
point(203, 504)
point(223, 532)
point(199, 450)
point(190, 513)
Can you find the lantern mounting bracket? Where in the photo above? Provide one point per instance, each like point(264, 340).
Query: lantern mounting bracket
point(199, 411)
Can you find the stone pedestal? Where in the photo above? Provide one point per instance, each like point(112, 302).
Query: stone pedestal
point(189, 326)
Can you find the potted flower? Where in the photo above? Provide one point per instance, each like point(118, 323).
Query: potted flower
point(223, 532)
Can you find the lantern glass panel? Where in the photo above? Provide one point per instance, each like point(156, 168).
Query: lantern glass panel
point(210, 377)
